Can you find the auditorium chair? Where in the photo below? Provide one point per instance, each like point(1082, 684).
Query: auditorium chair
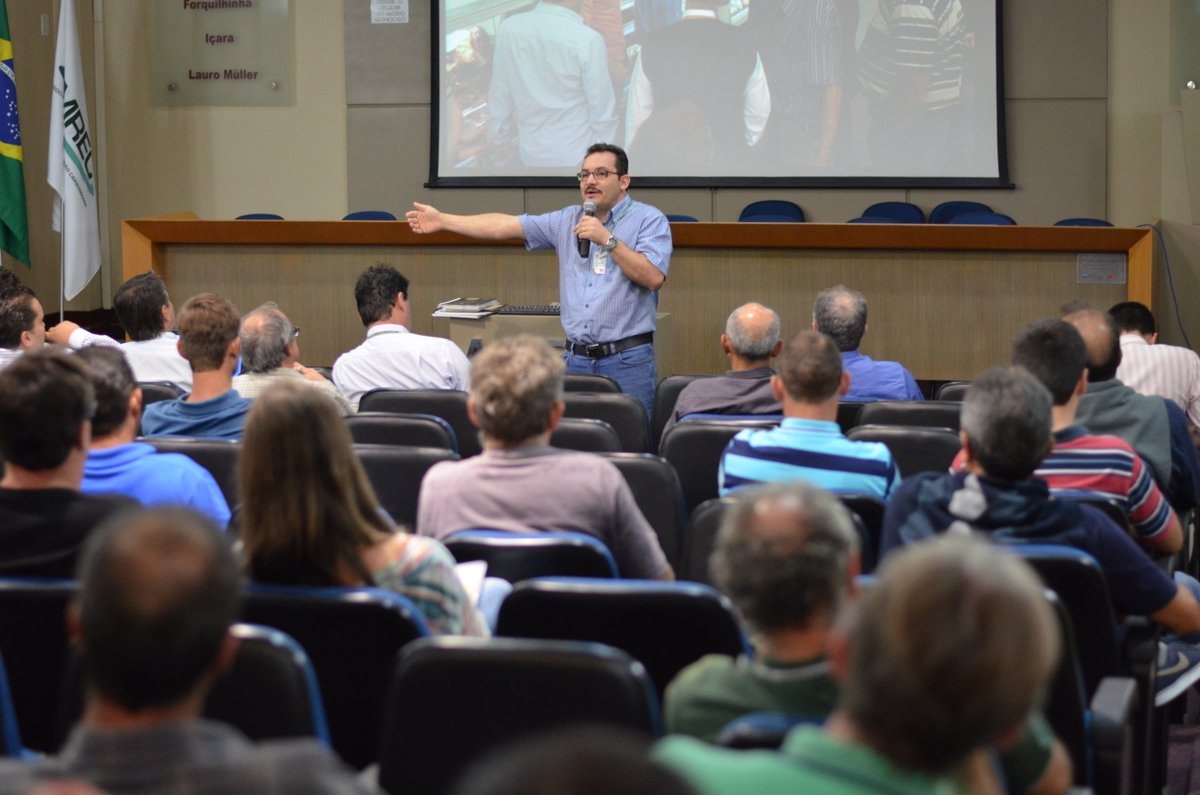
point(411, 430)
point(259, 217)
point(522, 556)
point(913, 448)
point(352, 636)
point(762, 730)
point(1082, 222)
point(702, 535)
point(946, 211)
point(10, 734)
point(451, 700)
point(666, 395)
point(900, 212)
point(33, 643)
point(589, 382)
point(369, 215)
point(775, 210)
point(984, 219)
point(396, 473)
point(624, 413)
point(449, 404)
point(655, 486)
point(155, 391)
point(585, 435)
point(952, 390)
point(925, 413)
point(694, 447)
point(679, 218)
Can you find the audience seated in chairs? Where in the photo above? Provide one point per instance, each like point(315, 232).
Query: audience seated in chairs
point(750, 341)
point(520, 483)
point(46, 408)
point(808, 444)
point(944, 659)
point(208, 339)
point(271, 352)
point(325, 527)
point(841, 313)
point(1006, 421)
point(117, 464)
point(1080, 463)
point(145, 311)
point(159, 592)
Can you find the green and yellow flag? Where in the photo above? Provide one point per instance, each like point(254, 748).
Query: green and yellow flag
point(14, 226)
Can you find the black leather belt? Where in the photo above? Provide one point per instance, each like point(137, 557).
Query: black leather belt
point(602, 349)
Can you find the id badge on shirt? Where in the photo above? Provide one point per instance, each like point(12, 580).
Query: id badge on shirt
point(600, 262)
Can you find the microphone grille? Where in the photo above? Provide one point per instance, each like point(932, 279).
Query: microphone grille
point(589, 206)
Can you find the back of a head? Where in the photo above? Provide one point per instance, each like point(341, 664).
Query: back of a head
point(307, 505)
point(45, 397)
point(783, 555)
point(810, 367)
point(207, 326)
point(8, 278)
point(376, 290)
point(950, 649)
point(1103, 340)
point(1053, 351)
point(841, 314)
point(138, 304)
point(1131, 316)
point(17, 314)
point(579, 761)
point(514, 385)
point(113, 382)
point(1007, 419)
point(265, 334)
point(753, 330)
point(158, 591)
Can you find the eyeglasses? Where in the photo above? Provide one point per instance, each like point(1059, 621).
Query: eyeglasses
point(600, 174)
point(295, 332)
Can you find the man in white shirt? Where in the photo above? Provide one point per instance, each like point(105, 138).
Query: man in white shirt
point(392, 357)
point(145, 311)
point(22, 323)
point(1154, 369)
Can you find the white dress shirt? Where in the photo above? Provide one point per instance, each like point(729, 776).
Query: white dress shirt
point(392, 357)
point(151, 360)
point(1164, 370)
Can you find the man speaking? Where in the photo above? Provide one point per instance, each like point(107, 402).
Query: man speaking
point(611, 265)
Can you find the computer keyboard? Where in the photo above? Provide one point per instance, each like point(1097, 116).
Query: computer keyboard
point(528, 309)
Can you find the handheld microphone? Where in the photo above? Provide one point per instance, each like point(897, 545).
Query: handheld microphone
point(589, 208)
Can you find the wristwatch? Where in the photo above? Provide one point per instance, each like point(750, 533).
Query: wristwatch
point(611, 243)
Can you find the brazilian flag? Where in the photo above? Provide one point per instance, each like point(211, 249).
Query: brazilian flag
point(14, 226)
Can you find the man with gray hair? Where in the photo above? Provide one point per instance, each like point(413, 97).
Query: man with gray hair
point(944, 658)
point(841, 313)
point(1006, 421)
point(271, 353)
point(522, 484)
point(750, 341)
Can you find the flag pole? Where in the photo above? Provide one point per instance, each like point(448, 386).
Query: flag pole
point(62, 273)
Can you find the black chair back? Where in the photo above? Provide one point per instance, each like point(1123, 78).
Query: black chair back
point(625, 414)
point(155, 391)
point(701, 537)
point(952, 390)
point(522, 556)
point(656, 489)
point(449, 404)
point(869, 510)
point(589, 382)
point(925, 413)
point(666, 395)
point(694, 447)
point(352, 636)
point(218, 456)
point(407, 430)
point(396, 473)
point(913, 448)
point(585, 435)
point(847, 414)
point(453, 699)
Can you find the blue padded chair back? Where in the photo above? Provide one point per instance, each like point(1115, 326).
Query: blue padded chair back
point(681, 218)
point(449, 404)
point(771, 210)
point(1082, 222)
point(396, 474)
point(666, 394)
point(407, 430)
point(624, 413)
point(984, 219)
point(352, 636)
point(522, 556)
point(259, 217)
point(666, 626)
point(10, 734)
point(900, 212)
point(585, 435)
point(770, 218)
point(871, 219)
point(369, 215)
point(655, 486)
point(947, 210)
point(913, 448)
point(452, 700)
point(925, 413)
point(952, 390)
point(762, 730)
point(586, 382)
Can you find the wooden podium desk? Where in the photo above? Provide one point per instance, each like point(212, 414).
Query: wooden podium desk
point(945, 300)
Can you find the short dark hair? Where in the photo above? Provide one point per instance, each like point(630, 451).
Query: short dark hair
point(207, 326)
point(45, 397)
point(113, 381)
point(1054, 352)
point(158, 591)
point(1102, 339)
point(138, 304)
point(1132, 316)
point(8, 278)
point(810, 367)
point(1007, 419)
point(375, 292)
point(17, 315)
point(841, 313)
point(613, 149)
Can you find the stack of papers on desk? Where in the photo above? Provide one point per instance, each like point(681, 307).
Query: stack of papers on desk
point(467, 307)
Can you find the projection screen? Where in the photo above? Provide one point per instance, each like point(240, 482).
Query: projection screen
point(837, 93)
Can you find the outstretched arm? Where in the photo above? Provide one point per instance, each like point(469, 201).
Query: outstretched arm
point(424, 219)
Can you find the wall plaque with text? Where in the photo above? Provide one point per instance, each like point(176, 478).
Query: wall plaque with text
point(222, 52)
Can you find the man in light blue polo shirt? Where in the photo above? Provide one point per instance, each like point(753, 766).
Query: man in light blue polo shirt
point(808, 445)
point(609, 294)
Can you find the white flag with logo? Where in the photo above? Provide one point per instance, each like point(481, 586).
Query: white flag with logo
point(71, 170)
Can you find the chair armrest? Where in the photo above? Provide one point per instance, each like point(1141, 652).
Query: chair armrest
point(1114, 713)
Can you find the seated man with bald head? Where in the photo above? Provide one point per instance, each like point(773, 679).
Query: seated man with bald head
point(841, 313)
point(750, 341)
point(159, 590)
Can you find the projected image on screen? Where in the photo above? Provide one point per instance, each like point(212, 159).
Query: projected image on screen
point(725, 90)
